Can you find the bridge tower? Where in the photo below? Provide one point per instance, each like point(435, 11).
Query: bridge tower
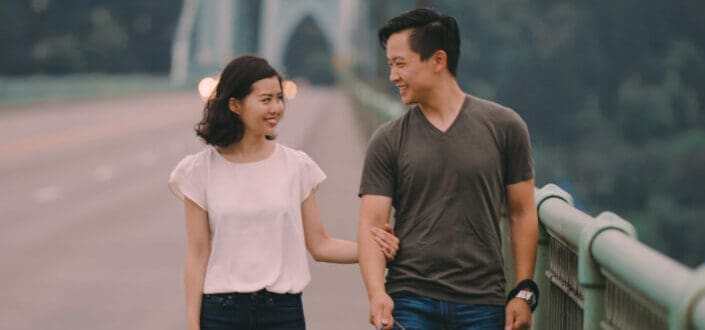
point(211, 32)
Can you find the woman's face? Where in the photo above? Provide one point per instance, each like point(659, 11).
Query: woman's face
point(262, 109)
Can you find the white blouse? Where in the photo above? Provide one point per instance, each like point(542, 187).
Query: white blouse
point(254, 213)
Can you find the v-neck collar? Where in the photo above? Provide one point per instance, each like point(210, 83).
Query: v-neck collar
point(435, 129)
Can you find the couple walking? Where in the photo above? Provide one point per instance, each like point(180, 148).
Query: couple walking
point(448, 166)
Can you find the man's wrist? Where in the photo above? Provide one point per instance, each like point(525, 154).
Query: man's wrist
point(526, 290)
point(374, 293)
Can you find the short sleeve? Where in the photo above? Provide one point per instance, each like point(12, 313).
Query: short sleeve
point(189, 179)
point(518, 162)
point(378, 173)
point(311, 176)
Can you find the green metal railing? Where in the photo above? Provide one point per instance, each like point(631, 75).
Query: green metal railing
point(592, 271)
point(620, 283)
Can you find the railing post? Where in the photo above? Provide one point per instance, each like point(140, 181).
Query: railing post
point(684, 315)
point(541, 316)
point(590, 278)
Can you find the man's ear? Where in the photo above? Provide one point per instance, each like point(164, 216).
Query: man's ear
point(234, 105)
point(439, 59)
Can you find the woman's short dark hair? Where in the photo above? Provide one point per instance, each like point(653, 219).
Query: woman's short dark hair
point(431, 31)
point(220, 126)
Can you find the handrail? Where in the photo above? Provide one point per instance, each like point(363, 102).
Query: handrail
point(638, 268)
point(607, 251)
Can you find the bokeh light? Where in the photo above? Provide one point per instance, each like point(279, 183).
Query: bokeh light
point(290, 89)
point(206, 87)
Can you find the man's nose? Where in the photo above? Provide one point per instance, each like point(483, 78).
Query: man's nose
point(393, 75)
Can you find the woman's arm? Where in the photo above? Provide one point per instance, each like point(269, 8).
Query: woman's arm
point(327, 249)
point(197, 254)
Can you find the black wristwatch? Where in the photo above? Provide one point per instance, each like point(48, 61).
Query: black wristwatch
point(527, 290)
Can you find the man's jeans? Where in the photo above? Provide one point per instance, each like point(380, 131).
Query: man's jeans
point(260, 310)
point(415, 312)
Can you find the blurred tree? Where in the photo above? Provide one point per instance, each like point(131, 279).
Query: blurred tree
point(15, 30)
point(52, 37)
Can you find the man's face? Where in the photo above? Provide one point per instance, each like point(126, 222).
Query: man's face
point(412, 76)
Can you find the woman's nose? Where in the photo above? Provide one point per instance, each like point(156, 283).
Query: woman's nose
point(278, 107)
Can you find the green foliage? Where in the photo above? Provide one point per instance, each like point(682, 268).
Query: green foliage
point(61, 37)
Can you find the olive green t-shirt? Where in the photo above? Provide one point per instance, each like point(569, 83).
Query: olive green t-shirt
point(447, 190)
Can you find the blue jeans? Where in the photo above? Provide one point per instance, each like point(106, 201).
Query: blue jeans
point(415, 312)
point(259, 310)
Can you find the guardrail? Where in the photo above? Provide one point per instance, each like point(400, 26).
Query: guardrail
point(592, 271)
point(615, 282)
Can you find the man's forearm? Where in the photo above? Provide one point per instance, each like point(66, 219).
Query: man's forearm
point(372, 261)
point(524, 241)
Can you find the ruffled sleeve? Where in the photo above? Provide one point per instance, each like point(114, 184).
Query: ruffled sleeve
point(311, 175)
point(189, 179)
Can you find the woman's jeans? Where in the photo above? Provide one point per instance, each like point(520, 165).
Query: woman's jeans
point(415, 312)
point(259, 310)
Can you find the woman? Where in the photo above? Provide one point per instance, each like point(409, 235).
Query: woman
point(251, 211)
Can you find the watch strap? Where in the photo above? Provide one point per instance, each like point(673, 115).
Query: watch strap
point(524, 284)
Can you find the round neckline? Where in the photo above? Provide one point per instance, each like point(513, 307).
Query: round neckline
point(271, 155)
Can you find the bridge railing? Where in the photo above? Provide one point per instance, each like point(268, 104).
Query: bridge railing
point(592, 271)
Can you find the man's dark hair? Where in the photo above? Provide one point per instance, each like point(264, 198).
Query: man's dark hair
point(430, 31)
point(220, 126)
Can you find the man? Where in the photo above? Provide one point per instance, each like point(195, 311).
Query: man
point(447, 167)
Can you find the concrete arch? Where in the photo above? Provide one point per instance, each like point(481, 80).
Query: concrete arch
point(281, 17)
point(210, 33)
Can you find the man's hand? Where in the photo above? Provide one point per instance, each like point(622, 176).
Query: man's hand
point(518, 315)
point(381, 306)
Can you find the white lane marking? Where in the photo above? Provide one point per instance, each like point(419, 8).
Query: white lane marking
point(104, 173)
point(47, 194)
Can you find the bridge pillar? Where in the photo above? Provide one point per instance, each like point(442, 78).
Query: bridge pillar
point(590, 277)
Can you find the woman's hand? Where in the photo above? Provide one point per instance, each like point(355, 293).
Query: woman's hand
point(388, 243)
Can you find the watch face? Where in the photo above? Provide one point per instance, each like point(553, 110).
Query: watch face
point(528, 296)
